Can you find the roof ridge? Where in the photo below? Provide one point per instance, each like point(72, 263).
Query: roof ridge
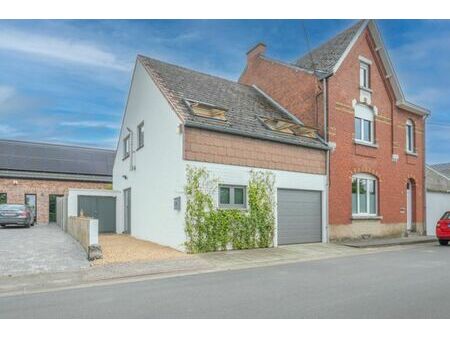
point(56, 144)
point(195, 71)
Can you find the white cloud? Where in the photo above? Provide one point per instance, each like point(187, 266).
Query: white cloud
point(89, 124)
point(8, 131)
point(69, 50)
point(6, 92)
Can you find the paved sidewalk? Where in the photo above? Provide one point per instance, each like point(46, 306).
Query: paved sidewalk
point(192, 264)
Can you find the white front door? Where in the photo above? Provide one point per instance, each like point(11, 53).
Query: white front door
point(408, 207)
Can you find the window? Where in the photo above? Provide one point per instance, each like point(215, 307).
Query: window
point(364, 75)
point(140, 132)
point(288, 127)
point(410, 147)
point(364, 130)
point(207, 110)
point(364, 195)
point(3, 198)
point(232, 196)
point(126, 146)
point(30, 200)
point(52, 207)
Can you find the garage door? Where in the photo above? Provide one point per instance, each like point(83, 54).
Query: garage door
point(102, 208)
point(299, 216)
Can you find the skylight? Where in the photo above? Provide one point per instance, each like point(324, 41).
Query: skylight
point(207, 110)
point(288, 127)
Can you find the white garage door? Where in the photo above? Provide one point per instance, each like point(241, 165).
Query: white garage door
point(299, 216)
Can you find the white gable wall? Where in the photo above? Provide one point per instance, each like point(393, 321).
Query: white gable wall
point(159, 173)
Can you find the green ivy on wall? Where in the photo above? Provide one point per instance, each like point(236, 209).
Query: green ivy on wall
point(211, 229)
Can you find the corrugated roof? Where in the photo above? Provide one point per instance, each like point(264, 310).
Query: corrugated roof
point(327, 55)
point(243, 103)
point(55, 158)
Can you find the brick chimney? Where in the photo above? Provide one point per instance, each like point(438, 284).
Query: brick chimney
point(256, 51)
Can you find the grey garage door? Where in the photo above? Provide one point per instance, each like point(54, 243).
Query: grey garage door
point(299, 216)
point(102, 208)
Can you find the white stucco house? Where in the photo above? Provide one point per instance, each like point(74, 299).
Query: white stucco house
point(177, 117)
point(438, 194)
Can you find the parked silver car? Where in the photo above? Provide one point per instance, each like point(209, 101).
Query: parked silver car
point(16, 214)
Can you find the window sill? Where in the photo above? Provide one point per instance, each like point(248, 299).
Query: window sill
point(125, 157)
point(367, 144)
point(232, 207)
point(366, 89)
point(369, 217)
point(411, 153)
point(140, 147)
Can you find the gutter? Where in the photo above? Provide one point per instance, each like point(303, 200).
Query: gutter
point(221, 129)
point(54, 176)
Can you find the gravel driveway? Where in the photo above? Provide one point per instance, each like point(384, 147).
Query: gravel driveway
point(42, 248)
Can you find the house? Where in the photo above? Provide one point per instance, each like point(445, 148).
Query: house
point(438, 194)
point(177, 118)
point(37, 173)
point(347, 88)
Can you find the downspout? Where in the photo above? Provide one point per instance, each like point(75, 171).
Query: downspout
point(424, 182)
point(327, 165)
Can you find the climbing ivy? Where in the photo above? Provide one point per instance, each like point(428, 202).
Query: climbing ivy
point(211, 229)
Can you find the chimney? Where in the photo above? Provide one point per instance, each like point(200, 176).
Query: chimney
point(256, 51)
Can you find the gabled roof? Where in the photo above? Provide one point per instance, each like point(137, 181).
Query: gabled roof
point(438, 177)
point(329, 56)
point(442, 168)
point(243, 104)
point(54, 158)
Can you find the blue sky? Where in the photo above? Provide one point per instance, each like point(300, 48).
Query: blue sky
point(67, 81)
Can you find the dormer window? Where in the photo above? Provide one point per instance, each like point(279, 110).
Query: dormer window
point(364, 75)
point(288, 127)
point(207, 110)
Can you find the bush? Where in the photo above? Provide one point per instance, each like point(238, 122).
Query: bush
point(210, 229)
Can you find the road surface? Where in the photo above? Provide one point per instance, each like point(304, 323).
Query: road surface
point(409, 283)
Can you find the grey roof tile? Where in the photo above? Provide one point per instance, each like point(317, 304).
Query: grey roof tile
point(243, 103)
point(55, 158)
point(443, 168)
point(328, 54)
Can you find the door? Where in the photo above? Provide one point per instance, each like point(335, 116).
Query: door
point(127, 210)
point(409, 206)
point(299, 216)
point(30, 200)
point(52, 207)
point(102, 208)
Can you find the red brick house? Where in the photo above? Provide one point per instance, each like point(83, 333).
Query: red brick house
point(347, 89)
point(36, 173)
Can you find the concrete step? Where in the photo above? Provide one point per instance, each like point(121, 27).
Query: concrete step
point(379, 242)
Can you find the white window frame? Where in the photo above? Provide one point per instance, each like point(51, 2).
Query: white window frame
point(232, 204)
point(364, 113)
point(364, 75)
point(410, 137)
point(126, 146)
point(141, 134)
point(366, 177)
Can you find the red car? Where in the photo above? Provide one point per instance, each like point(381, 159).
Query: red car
point(443, 229)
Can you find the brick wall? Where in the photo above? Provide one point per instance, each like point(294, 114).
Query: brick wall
point(296, 90)
point(215, 147)
point(17, 188)
point(349, 158)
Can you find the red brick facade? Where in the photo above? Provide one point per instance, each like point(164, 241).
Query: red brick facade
point(214, 147)
point(16, 188)
point(348, 157)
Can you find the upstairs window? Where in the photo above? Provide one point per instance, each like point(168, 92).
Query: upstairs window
point(288, 127)
point(410, 146)
point(364, 195)
point(140, 133)
point(126, 146)
point(364, 129)
point(364, 75)
point(232, 197)
point(207, 110)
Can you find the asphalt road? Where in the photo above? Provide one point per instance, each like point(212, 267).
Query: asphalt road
point(409, 283)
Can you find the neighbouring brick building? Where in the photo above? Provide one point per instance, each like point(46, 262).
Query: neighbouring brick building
point(36, 173)
point(348, 89)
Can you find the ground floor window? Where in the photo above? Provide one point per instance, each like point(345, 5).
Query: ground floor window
point(52, 207)
point(364, 195)
point(3, 198)
point(232, 196)
point(30, 200)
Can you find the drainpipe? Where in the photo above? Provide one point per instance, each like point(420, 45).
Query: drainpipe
point(424, 178)
point(327, 169)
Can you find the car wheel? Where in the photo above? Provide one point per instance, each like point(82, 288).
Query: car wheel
point(443, 242)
